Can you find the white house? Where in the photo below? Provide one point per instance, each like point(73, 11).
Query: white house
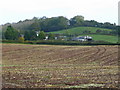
point(82, 38)
point(37, 33)
point(46, 38)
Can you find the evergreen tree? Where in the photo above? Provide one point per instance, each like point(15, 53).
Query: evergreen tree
point(11, 33)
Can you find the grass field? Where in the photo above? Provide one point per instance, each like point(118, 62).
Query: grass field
point(79, 30)
point(50, 66)
point(108, 38)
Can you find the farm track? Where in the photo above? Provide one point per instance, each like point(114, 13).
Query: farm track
point(34, 66)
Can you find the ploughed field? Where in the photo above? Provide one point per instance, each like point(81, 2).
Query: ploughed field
point(50, 66)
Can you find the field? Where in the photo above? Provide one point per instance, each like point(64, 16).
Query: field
point(107, 38)
point(79, 30)
point(50, 66)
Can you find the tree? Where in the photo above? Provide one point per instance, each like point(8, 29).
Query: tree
point(86, 32)
point(77, 20)
point(33, 35)
point(92, 23)
point(27, 35)
point(54, 23)
point(41, 35)
point(11, 33)
point(35, 26)
point(3, 35)
point(30, 35)
point(109, 25)
point(51, 36)
point(98, 31)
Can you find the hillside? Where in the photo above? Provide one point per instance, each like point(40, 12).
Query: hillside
point(21, 25)
point(58, 23)
point(107, 38)
point(61, 25)
point(80, 30)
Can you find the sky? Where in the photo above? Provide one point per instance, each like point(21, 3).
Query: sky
point(12, 11)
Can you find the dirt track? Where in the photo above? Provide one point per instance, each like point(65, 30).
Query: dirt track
point(59, 66)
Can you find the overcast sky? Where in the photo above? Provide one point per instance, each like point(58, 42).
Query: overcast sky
point(99, 10)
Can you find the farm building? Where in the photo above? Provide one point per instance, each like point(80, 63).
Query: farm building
point(82, 38)
point(37, 33)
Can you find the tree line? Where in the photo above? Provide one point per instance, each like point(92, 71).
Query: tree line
point(13, 34)
point(58, 23)
point(28, 28)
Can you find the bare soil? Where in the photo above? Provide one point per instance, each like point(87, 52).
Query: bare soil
point(50, 66)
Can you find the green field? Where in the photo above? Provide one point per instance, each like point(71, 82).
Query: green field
point(107, 38)
point(79, 30)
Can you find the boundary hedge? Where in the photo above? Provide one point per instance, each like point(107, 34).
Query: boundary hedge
point(55, 42)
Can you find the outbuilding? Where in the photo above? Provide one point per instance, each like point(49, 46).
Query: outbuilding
point(82, 38)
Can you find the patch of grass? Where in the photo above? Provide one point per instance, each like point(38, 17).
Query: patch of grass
point(79, 30)
point(107, 38)
point(96, 37)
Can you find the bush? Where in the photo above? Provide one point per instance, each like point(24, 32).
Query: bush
point(54, 42)
point(21, 39)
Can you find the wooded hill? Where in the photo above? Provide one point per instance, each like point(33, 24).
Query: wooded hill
point(57, 23)
point(73, 27)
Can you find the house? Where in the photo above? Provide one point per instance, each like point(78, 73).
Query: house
point(46, 37)
point(37, 33)
point(56, 38)
point(82, 38)
point(62, 37)
point(22, 35)
point(88, 38)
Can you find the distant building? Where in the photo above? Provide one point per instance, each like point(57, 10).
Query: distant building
point(46, 38)
point(22, 35)
point(62, 37)
point(56, 38)
point(82, 38)
point(37, 33)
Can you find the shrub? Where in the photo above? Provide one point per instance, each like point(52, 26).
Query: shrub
point(21, 39)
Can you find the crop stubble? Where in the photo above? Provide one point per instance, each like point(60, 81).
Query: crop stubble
point(36, 66)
